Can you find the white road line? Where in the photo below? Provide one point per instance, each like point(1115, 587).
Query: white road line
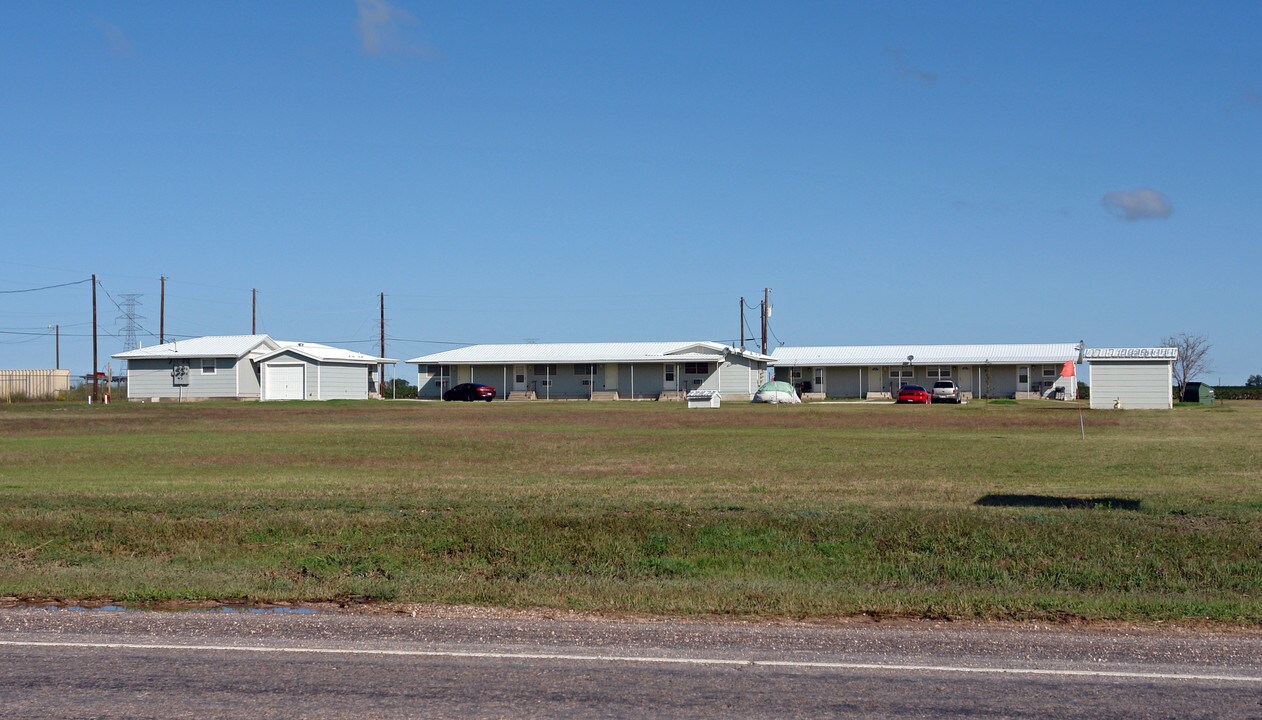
point(807, 664)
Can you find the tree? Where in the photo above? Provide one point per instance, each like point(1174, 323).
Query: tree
point(398, 388)
point(1254, 381)
point(1193, 359)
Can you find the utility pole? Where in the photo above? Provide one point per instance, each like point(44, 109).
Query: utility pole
point(162, 311)
point(742, 323)
point(254, 311)
point(381, 368)
point(57, 344)
point(766, 311)
point(95, 380)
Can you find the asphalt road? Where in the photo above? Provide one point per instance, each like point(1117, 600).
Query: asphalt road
point(472, 664)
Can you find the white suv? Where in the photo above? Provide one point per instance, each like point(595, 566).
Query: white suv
point(946, 391)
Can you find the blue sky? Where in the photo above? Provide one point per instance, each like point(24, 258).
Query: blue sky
point(573, 171)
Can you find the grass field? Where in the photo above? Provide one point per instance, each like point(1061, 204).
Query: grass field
point(981, 511)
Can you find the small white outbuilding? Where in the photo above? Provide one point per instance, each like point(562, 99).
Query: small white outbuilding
point(1131, 378)
point(311, 371)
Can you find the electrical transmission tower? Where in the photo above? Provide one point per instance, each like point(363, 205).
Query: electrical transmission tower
point(129, 319)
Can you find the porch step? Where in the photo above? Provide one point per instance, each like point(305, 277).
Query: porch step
point(520, 395)
point(604, 395)
point(672, 395)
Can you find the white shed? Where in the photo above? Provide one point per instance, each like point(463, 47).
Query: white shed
point(1131, 378)
point(311, 371)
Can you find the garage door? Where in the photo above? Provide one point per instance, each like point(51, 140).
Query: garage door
point(283, 382)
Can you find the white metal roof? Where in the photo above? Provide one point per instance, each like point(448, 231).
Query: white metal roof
point(328, 353)
point(213, 346)
point(1161, 353)
point(876, 355)
point(628, 352)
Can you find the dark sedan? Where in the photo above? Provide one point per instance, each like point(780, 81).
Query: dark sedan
point(914, 394)
point(469, 392)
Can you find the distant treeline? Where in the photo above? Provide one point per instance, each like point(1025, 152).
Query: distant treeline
point(1237, 392)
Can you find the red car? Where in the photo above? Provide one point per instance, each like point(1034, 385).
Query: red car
point(470, 392)
point(914, 394)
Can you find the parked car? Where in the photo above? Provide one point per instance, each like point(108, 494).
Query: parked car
point(470, 392)
point(946, 391)
point(913, 394)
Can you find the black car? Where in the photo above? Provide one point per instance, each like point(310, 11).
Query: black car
point(469, 392)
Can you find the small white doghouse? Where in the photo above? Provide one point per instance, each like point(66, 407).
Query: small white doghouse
point(704, 399)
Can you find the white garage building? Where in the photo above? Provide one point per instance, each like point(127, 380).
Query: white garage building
point(1131, 378)
point(249, 367)
point(311, 371)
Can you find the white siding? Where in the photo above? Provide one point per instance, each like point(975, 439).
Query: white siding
point(152, 379)
point(341, 382)
point(1132, 385)
point(247, 379)
point(737, 378)
point(327, 380)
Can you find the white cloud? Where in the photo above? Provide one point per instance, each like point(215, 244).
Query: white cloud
point(1141, 204)
point(380, 27)
point(114, 37)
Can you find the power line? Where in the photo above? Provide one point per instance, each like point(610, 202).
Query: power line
point(148, 332)
point(46, 287)
point(429, 342)
point(774, 335)
point(129, 317)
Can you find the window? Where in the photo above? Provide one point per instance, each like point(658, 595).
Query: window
point(939, 373)
point(208, 366)
point(902, 376)
point(695, 368)
point(519, 378)
point(545, 369)
point(669, 372)
point(1023, 376)
point(584, 369)
point(795, 374)
point(1049, 371)
point(545, 383)
point(440, 372)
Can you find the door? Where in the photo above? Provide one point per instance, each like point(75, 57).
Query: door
point(1023, 378)
point(668, 377)
point(284, 382)
point(519, 378)
point(817, 385)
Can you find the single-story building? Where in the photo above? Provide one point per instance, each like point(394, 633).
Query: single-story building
point(218, 366)
point(596, 371)
point(311, 371)
point(988, 370)
point(230, 367)
point(1132, 378)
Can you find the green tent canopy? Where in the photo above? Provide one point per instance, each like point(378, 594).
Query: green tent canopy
point(777, 392)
